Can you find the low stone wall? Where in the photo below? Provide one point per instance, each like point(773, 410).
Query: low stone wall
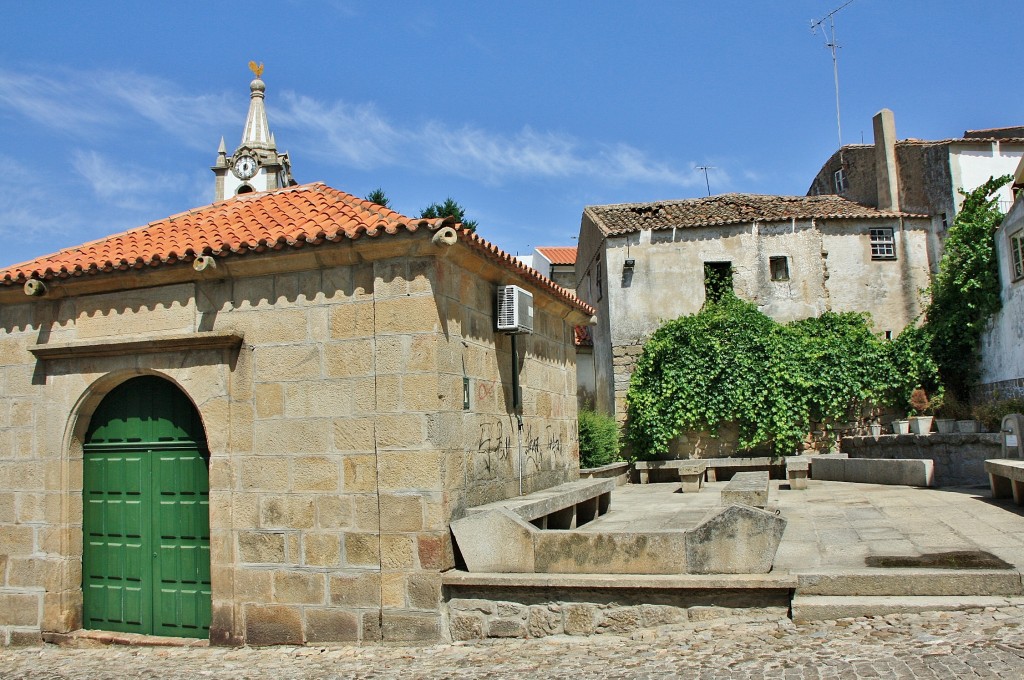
point(496, 612)
point(959, 458)
point(617, 471)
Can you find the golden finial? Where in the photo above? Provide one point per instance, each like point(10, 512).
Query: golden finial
point(257, 69)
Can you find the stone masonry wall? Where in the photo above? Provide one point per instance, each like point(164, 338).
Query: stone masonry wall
point(339, 447)
point(959, 458)
point(484, 438)
point(624, 360)
point(477, 613)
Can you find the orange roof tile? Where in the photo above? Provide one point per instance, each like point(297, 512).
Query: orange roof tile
point(295, 217)
point(558, 254)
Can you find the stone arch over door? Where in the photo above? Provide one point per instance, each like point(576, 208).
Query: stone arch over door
point(145, 503)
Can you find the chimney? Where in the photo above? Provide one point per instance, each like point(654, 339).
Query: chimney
point(887, 182)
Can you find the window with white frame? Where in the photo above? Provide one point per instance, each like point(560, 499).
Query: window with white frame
point(1017, 254)
point(883, 245)
point(840, 180)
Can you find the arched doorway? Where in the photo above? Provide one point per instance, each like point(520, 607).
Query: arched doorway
point(146, 521)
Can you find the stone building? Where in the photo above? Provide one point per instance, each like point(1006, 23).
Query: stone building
point(1002, 345)
point(641, 264)
point(921, 176)
point(253, 421)
point(330, 383)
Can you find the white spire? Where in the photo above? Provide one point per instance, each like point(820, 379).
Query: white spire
point(257, 132)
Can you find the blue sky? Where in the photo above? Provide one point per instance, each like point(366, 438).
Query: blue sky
point(524, 112)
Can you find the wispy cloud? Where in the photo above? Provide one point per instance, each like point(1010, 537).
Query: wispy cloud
point(190, 118)
point(59, 103)
point(363, 137)
point(356, 135)
point(30, 214)
point(131, 187)
point(339, 132)
point(86, 103)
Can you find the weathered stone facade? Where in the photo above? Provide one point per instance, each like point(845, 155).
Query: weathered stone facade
point(340, 446)
point(641, 265)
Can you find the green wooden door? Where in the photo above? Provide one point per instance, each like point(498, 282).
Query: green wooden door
point(146, 522)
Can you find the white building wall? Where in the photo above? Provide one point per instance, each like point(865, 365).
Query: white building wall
point(1002, 346)
point(971, 165)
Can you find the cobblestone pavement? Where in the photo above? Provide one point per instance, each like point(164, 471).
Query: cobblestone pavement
point(985, 644)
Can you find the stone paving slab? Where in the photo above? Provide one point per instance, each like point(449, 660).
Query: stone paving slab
point(983, 643)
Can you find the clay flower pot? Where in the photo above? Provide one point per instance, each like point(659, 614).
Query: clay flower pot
point(901, 427)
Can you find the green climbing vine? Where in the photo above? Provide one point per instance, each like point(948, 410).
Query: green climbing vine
point(731, 363)
point(965, 292)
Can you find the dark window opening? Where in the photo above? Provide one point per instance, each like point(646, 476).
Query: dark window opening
point(244, 189)
point(779, 267)
point(717, 280)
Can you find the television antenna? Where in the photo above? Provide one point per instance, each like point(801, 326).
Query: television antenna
point(831, 44)
point(705, 168)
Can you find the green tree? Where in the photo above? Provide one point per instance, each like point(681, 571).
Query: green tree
point(965, 292)
point(450, 208)
point(379, 197)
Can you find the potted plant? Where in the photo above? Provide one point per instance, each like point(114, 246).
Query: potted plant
point(901, 426)
point(920, 418)
point(948, 412)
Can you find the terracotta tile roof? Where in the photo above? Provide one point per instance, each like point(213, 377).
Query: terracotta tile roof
point(558, 254)
point(496, 254)
point(728, 209)
point(1004, 133)
point(296, 217)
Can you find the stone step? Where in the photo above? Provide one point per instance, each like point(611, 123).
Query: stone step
point(806, 608)
point(911, 582)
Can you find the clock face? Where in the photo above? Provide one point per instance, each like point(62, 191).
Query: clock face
point(245, 167)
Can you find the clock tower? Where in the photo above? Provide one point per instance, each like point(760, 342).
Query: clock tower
point(255, 165)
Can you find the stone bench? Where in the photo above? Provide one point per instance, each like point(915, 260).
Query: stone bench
point(1006, 476)
point(747, 488)
point(565, 506)
point(796, 471)
point(690, 471)
point(897, 471)
point(761, 463)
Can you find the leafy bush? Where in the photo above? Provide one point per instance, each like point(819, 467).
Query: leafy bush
point(731, 363)
point(599, 439)
point(991, 414)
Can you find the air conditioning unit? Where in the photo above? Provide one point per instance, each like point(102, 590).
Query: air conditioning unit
point(515, 310)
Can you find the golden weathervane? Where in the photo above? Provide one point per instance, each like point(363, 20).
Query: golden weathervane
point(257, 69)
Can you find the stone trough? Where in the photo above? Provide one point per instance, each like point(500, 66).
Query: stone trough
point(497, 538)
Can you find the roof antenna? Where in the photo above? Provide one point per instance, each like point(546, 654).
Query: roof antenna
point(830, 42)
point(705, 168)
